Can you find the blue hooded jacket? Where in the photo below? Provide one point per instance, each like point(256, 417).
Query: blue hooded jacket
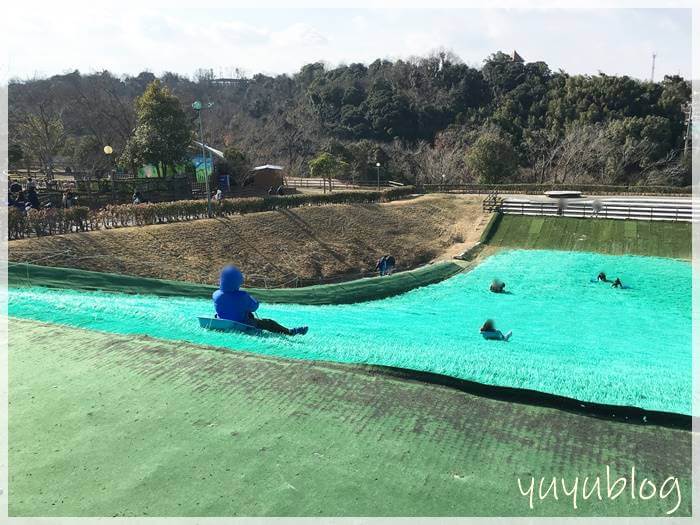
point(230, 302)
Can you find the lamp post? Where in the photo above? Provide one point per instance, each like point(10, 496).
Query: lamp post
point(688, 112)
point(108, 151)
point(378, 166)
point(197, 106)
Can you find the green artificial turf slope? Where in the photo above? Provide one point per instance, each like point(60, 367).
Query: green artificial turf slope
point(617, 237)
point(108, 425)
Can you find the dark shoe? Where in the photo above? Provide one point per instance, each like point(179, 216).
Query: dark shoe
point(301, 330)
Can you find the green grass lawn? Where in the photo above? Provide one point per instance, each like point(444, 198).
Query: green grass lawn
point(617, 237)
point(108, 425)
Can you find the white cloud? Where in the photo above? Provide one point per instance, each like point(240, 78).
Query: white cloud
point(299, 34)
point(234, 32)
point(360, 23)
point(497, 24)
point(277, 41)
point(421, 42)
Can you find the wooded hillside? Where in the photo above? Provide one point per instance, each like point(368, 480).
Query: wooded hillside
point(426, 119)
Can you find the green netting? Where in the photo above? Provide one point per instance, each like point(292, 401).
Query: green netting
point(652, 238)
point(368, 289)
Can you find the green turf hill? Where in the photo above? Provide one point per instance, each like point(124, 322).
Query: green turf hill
point(613, 236)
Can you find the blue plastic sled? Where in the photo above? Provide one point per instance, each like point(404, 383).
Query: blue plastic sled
point(224, 325)
point(497, 336)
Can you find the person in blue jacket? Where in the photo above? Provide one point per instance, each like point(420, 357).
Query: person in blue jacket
point(381, 265)
point(233, 304)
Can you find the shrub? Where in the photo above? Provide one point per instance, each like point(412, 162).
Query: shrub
point(17, 226)
point(51, 221)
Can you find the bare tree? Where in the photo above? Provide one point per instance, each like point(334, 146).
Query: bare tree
point(296, 145)
point(42, 134)
point(98, 108)
point(443, 164)
point(594, 154)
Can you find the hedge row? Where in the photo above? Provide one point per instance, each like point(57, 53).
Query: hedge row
point(591, 189)
point(53, 221)
point(47, 221)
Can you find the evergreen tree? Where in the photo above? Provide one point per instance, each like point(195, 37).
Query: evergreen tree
point(163, 131)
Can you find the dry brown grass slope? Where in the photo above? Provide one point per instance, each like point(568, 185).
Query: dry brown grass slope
point(311, 244)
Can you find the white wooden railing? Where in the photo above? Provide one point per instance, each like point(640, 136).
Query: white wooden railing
point(623, 208)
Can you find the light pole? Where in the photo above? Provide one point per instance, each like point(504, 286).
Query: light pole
point(378, 166)
point(688, 112)
point(108, 151)
point(197, 106)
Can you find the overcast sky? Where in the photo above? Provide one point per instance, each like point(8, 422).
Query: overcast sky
point(614, 41)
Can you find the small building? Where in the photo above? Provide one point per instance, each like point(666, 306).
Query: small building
point(268, 176)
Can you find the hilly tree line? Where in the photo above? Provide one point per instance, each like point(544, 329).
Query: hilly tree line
point(430, 119)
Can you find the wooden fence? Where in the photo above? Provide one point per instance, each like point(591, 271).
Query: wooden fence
point(540, 189)
point(315, 182)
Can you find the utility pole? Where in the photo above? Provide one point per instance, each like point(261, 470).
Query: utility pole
point(653, 65)
point(688, 111)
